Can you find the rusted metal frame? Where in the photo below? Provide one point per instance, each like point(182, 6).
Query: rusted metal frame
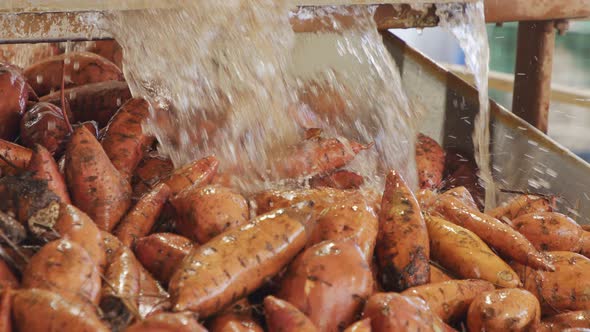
point(533, 68)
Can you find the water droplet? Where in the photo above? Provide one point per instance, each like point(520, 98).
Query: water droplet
point(39, 79)
point(76, 65)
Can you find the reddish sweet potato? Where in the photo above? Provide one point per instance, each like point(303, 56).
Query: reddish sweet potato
point(566, 320)
point(7, 278)
point(450, 299)
point(328, 282)
point(168, 322)
point(15, 93)
point(141, 218)
point(6, 310)
point(194, 174)
point(124, 140)
point(403, 249)
point(38, 310)
point(466, 255)
point(239, 260)
point(462, 194)
point(341, 179)
point(507, 310)
point(238, 318)
point(108, 49)
point(507, 241)
point(44, 124)
point(550, 231)
point(360, 326)
point(521, 205)
point(151, 169)
point(63, 266)
point(564, 289)
point(14, 157)
point(283, 316)
point(95, 185)
point(438, 275)
point(426, 198)
point(80, 68)
point(11, 229)
point(93, 102)
point(152, 297)
point(430, 160)
point(162, 253)
point(44, 167)
point(205, 212)
point(394, 312)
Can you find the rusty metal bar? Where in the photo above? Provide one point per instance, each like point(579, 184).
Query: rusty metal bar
point(532, 81)
point(535, 10)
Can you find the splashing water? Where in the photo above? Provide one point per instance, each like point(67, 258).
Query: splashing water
point(467, 24)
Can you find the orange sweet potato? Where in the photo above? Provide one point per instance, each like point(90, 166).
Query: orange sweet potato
point(438, 275)
point(521, 205)
point(285, 317)
point(328, 282)
point(63, 266)
point(168, 322)
point(141, 218)
point(466, 255)
point(462, 194)
point(22, 196)
point(152, 297)
point(450, 299)
point(108, 49)
point(7, 277)
point(151, 169)
point(43, 167)
point(566, 320)
point(322, 198)
point(95, 185)
point(11, 229)
point(197, 173)
point(238, 318)
point(502, 310)
point(426, 198)
point(6, 309)
point(550, 231)
point(45, 124)
point(13, 157)
point(15, 93)
point(39, 310)
point(395, 312)
point(162, 253)
point(81, 68)
point(340, 179)
point(507, 241)
point(124, 140)
point(403, 249)
point(360, 326)
point(237, 261)
point(93, 102)
point(564, 289)
point(430, 160)
point(205, 212)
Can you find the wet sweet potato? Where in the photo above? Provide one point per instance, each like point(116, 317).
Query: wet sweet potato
point(44, 124)
point(108, 49)
point(151, 169)
point(430, 160)
point(162, 253)
point(507, 241)
point(403, 249)
point(466, 255)
point(360, 326)
point(462, 194)
point(7, 277)
point(93, 102)
point(81, 68)
point(509, 310)
point(64, 267)
point(22, 196)
point(564, 289)
point(426, 198)
point(438, 275)
point(450, 299)
point(124, 140)
point(238, 318)
point(205, 212)
point(168, 322)
point(15, 93)
point(6, 309)
point(284, 317)
point(194, 174)
point(239, 260)
point(11, 229)
point(521, 205)
point(39, 310)
point(95, 185)
point(395, 312)
point(43, 167)
point(550, 231)
point(340, 179)
point(14, 157)
point(328, 282)
point(566, 320)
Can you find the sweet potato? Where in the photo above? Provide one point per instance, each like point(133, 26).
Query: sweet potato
point(550, 231)
point(23, 196)
point(238, 318)
point(284, 317)
point(521, 205)
point(566, 320)
point(141, 218)
point(466, 255)
point(14, 157)
point(341, 179)
point(43, 167)
point(239, 260)
point(430, 160)
point(124, 140)
point(438, 275)
point(93, 102)
point(109, 49)
point(322, 198)
point(507, 241)
point(323, 98)
point(205, 212)
point(360, 326)
point(38, 310)
point(426, 198)
point(63, 266)
point(394, 312)
point(328, 282)
point(450, 299)
point(7, 278)
point(350, 218)
point(564, 289)
point(162, 253)
point(65, 220)
point(15, 93)
point(80, 68)
point(6, 310)
point(463, 195)
point(197, 173)
point(11, 229)
point(95, 185)
point(403, 250)
point(504, 310)
point(168, 322)
point(45, 124)
point(151, 169)
point(152, 297)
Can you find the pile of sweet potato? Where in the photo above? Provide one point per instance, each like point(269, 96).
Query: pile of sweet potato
point(98, 232)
